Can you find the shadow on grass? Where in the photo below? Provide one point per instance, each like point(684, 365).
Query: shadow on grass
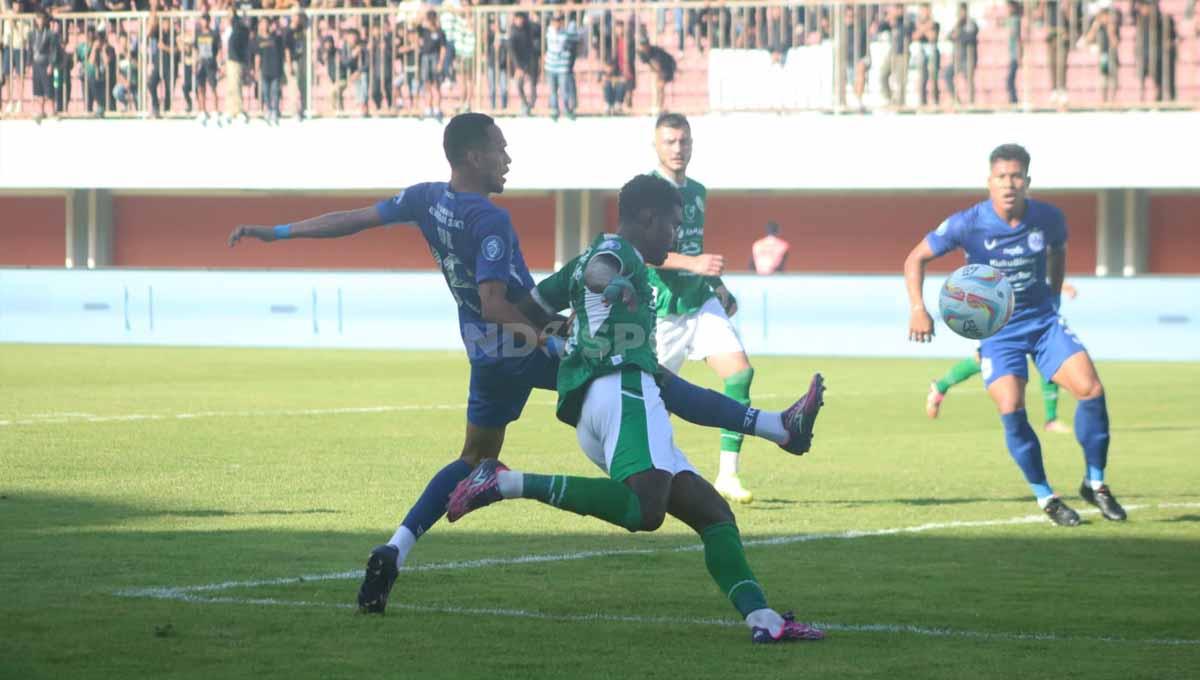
point(1182, 518)
point(1157, 428)
point(38, 512)
point(984, 584)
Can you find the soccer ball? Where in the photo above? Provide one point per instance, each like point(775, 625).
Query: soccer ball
point(976, 301)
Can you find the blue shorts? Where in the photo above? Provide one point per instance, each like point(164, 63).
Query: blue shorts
point(499, 390)
point(1046, 338)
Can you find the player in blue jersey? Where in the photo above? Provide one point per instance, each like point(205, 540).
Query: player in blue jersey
point(1025, 239)
point(473, 242)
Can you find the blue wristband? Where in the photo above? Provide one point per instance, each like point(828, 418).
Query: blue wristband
point(555, 345)
point(283, 231)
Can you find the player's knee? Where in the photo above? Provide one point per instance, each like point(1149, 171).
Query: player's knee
point(1090, 389)
point(652, 518)
point(653, 503)
point(1007, 406)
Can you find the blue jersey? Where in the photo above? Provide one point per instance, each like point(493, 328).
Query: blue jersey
point(1019, 252)
point(472, 240)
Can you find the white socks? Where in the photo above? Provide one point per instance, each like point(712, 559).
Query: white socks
point(1095, 484)
point(765, 618)
point(403, 540)
point(729, 464)
point(1043, 502)
point(511, 483)
point(769, 425)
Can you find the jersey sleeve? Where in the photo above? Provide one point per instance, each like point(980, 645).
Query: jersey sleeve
point(553, 293)
point(948, 235)
point(1056, 231)
point(401, 208)
point(496, 242)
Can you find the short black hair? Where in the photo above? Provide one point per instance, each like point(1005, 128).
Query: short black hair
point(465, 132)
point(772, 227)
point(1010, 152)
point(646, 191)
point(675, 121)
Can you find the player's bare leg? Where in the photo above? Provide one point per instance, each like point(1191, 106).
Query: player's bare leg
point(735, 371)
point(1078, 375)
point(384, 562)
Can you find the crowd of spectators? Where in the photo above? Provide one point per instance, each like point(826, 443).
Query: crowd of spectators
point(406, 59)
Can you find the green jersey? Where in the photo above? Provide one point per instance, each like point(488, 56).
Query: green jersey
point(605, 338)
point(677, 291)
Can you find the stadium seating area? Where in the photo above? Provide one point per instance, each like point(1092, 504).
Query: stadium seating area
point(709, 31)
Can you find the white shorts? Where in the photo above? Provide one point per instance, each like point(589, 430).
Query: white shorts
point(624, 427)
point(697, 336)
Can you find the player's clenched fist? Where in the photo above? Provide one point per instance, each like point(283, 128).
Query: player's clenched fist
point(920, 325)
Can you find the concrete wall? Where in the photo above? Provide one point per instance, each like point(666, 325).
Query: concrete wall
point(734, 151)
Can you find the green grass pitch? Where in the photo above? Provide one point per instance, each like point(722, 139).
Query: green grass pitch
point(131, 477)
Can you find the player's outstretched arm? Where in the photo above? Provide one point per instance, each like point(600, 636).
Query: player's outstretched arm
point(705, 264)
point(329, 225)
point(920, 324)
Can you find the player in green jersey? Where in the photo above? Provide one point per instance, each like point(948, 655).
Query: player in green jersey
point(608, 391)
point(968, 367)
point(692, 302)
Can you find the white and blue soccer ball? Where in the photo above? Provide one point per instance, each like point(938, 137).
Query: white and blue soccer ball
point(976, 301)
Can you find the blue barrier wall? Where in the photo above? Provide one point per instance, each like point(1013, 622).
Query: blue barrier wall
point(1142, 318)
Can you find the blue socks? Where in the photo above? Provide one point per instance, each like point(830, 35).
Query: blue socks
point(704, 407)
point(1025, 449)
point(1091, 430)
point(432, 504)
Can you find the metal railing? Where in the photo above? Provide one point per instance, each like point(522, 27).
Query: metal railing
point(600, 58)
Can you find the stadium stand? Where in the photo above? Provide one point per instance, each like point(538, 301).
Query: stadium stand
point(729, 55)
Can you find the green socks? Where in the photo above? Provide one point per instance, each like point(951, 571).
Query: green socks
point(726, 562)
point(737, 388)
point(606, 499)
point(1050, 399)
point(958, 373)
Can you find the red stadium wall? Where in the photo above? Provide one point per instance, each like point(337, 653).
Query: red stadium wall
point(854, 232)
point(858, 232)
point(190, 231)
point(1175, 234)
point(33, 231)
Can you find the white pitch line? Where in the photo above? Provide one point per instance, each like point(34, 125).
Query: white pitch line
point(602, 617)
point(174, 592)
point(62, 418)
point(75, 417)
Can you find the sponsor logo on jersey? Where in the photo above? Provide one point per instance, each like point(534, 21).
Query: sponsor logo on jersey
point(609, 245)
point(1036, 241)
point(689, 213)
point(1014, 251)
point(699, 204)
point(493, 248)
point(399, 197)
point(991, 244)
